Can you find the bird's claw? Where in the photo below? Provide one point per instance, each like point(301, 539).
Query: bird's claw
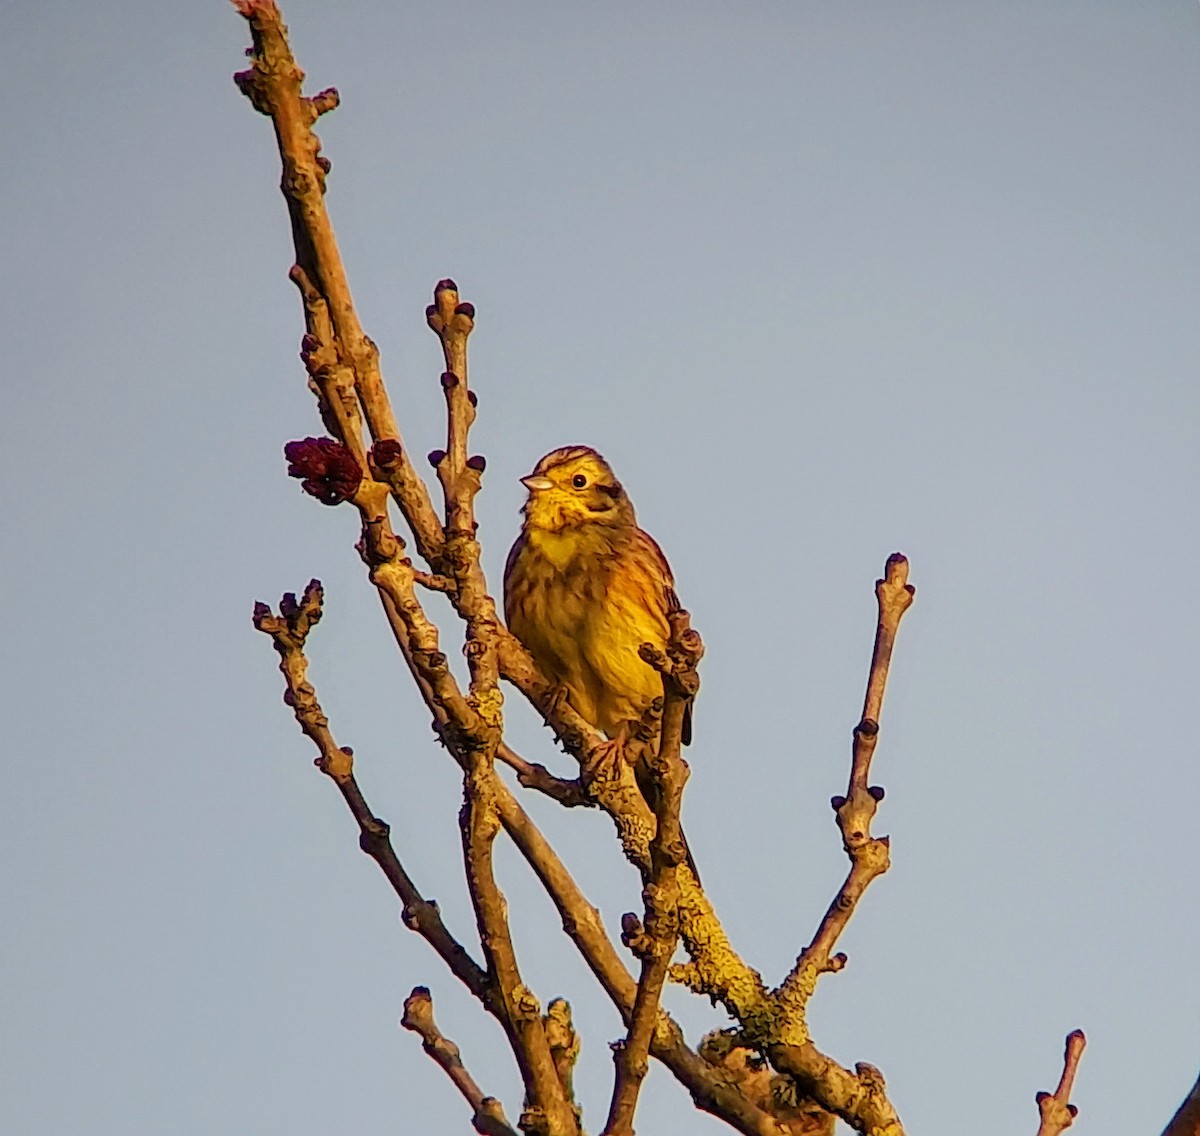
point(604, 762)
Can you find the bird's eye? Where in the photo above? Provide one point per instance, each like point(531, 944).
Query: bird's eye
point(579, 481)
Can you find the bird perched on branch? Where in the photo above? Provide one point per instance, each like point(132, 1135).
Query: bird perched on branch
point(585, 587)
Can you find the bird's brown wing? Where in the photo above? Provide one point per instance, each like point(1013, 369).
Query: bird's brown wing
point(509, 565)
point(670, 602)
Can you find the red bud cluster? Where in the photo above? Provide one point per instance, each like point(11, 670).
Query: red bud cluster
point(328, 471)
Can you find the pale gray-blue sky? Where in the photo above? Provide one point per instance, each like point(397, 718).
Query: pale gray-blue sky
point(823, 281)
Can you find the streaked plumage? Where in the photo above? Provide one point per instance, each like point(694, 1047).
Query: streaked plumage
point(584, 587)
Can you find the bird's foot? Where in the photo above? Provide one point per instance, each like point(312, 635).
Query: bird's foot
point(559, 698)
point(604, 762)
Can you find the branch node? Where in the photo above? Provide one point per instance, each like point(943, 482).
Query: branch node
point(386, 455)
point(324, 101)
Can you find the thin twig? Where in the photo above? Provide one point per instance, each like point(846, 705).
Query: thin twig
point(859, 1097)
point(487, 1113)
point(547, 1103)
point(532, 775)
point(460, 478)
point(868, 854)
point(1056, 1110)
point(434, 582)
point(288, 632)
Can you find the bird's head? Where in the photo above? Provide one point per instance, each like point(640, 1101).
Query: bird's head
point(573, 486)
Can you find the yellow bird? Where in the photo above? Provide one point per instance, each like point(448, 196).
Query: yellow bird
point(584, 587)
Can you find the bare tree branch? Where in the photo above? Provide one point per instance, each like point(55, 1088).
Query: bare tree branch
point(1057, 1111)
point(855, 811)
point(655, 940)
point(566, 791)
point(487, 1114)
point(288, 632)
point(548, 1109)
point(343, 370)
point(710, 1089)
point(1186, 1121)
point(859, 1098)
point(581, 920)
point(273, 85)
point(499, 988)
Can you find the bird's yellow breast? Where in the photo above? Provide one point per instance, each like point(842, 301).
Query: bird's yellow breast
point(583, 600)
point(561, 549)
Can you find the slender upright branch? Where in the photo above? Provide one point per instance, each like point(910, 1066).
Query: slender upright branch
point(868, 854)
point(453, 321)
point(655, 940)
point(548, 1110)
point(1056, 1110)
point(335, 337)
point(859, 1097)
point(473, 738)
point(460, 477)
point(487, 1113)
point(548, 1107)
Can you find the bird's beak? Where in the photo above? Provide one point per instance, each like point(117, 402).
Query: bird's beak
point(535, 483)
